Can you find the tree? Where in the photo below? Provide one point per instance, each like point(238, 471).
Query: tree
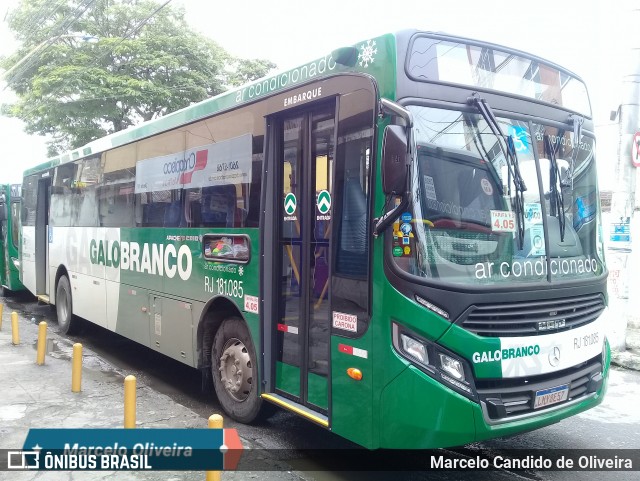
point(148, 62)
point(247, 70)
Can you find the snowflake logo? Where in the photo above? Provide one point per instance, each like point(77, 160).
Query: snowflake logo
point(241, 270)
point(367, 52)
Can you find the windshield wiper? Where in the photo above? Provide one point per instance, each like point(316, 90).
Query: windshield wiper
point(577, 122)
point(557, 199)
point(477, 140)
point(508, 149)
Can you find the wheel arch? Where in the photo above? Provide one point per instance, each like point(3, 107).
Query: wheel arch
point(216, 310)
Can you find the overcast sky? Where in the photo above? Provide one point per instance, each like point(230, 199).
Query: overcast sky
point(589, 38)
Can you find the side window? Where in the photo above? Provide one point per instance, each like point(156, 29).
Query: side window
point(254, 188)
point(350, 286)
point(160, 208)
point(62, 196)
point(85, 188)
point(116, 199)
point(29, 197)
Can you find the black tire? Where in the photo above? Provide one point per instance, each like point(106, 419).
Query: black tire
point(234, 370)
point(64, 307)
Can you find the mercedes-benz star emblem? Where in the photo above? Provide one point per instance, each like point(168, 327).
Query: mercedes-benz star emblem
point(554, 356)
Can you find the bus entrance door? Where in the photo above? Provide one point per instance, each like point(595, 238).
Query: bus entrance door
point(5, 237)
point(306, 145)
point(42, 238)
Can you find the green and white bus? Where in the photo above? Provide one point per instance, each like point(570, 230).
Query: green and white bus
point(399, 241)
point(9, 238)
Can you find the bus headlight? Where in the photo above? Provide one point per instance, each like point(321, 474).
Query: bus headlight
point(434, 360)
point(451, 366)
point(415, 349)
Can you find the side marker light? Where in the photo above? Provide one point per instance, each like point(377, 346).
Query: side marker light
point(354, 373)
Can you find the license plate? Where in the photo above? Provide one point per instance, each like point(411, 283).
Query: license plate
point(553, 395)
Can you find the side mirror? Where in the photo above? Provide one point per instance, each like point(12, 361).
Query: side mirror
point(394, 160)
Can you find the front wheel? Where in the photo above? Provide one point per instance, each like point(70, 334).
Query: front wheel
point(66, 321)
point(235, 371)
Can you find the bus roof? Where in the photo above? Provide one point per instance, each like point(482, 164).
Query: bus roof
point(248, 93)
point(370, 56)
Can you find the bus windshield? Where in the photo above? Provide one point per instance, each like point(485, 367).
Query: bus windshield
point(463, 223)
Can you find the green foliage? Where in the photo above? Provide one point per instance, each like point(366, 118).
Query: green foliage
point(148, 62)
point(247, 70)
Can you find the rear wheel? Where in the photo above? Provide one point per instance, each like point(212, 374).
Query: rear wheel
point(66, 321)
point(235, 371)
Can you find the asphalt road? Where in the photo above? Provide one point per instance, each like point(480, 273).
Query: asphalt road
point(614, 425)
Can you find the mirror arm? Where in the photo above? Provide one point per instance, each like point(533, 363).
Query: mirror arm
point(392, 108)
point(381, 223)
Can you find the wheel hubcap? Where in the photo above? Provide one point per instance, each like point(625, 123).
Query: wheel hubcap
point(236, 371)
point(62, 303)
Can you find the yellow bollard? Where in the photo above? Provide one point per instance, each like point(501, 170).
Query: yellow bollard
point(76, 368)
point(215, 422)
point(130, 402)
point(1, 309)
point(15, 332)
point(42, 342)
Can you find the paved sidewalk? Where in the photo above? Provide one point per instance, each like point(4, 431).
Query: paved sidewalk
point(630, 358)
point(33, 396)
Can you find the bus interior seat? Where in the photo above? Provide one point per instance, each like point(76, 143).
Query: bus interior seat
point(218, 206)
point(138, 212)
point(153, 214)
point(172, 214)
point(195, 213)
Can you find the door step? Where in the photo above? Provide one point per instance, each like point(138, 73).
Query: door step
point(293, 406)
point(43, 298)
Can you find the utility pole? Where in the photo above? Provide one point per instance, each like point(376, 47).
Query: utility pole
point(620, 256)
point(623, 199)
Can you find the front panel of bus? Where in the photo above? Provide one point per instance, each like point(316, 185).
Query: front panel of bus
point(496, 275)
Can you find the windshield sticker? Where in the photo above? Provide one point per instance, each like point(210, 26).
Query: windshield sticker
point(429, 188)
point(407, 250)
point(585, 210)
point(536, 234)
point(532, 213)
point(487, 188)
point(405, 229)
point(503, 221)
point(397, 251)
point(406, 217)
point(520, 140)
